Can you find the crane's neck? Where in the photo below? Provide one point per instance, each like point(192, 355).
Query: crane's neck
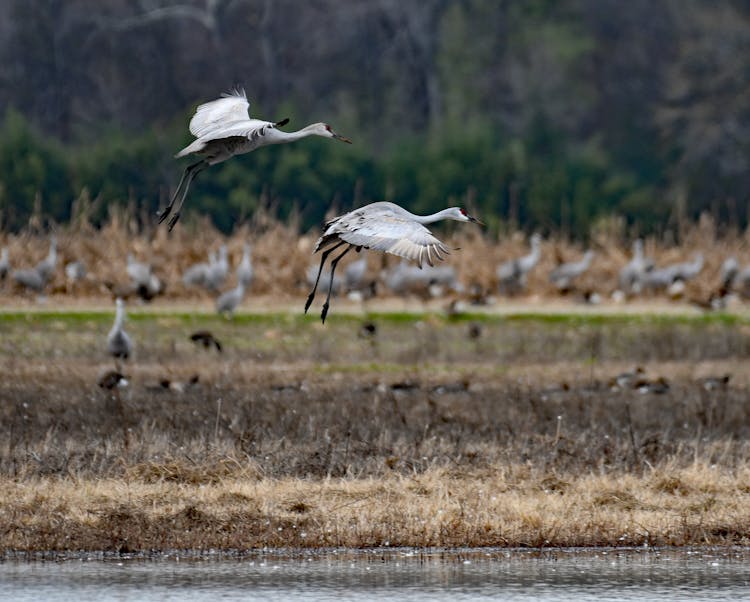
point(119, 317)
point(310, 130)
point(435, 217)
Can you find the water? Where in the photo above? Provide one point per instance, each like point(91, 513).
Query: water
point(405, 575)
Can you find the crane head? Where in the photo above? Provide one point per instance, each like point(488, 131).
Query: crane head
point(326, 131)
point(462, 216)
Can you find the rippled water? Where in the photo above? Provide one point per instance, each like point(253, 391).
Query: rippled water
point(399, 575)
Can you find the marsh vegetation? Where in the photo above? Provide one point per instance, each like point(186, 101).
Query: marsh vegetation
point(302, 435)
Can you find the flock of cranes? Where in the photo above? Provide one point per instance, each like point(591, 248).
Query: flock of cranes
point(223, 128)
point(229, 278)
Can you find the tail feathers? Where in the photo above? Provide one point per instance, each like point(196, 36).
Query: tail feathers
point(194, 147)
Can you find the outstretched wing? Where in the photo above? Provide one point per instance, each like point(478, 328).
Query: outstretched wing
point(391, 233)
point(229, 108)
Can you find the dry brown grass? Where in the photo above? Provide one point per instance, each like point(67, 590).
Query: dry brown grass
point(282, 256)
point(499, 505)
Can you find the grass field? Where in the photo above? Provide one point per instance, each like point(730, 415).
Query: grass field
point(304, 435)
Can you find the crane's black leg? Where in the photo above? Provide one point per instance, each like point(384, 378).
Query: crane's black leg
point(334, 263)
point(323, 258)
point(181, 192)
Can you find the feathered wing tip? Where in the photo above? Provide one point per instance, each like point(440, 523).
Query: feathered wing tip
point(237, 91)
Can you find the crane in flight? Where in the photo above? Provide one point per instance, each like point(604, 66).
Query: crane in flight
point(222, 129)
point(383, 227)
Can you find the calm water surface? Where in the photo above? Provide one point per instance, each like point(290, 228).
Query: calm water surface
point(400, 575)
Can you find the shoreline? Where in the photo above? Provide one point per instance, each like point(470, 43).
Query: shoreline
point(155, 508)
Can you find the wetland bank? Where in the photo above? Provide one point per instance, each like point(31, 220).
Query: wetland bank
point(302, 436)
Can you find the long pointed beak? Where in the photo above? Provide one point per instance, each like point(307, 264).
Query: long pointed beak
point(339, 137)
point(475, 220)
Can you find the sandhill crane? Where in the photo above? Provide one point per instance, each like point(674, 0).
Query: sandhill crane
point(431, 281)
point(354, 274)
point(687, 270)
point(673, 277)
point(730, 269)
point(512, 274)
point(228, 302)
point(119, 344)
point(386, 227)
point(218, 270)
point(29, 278)
point(146, 283)
point(564, 274)
point(223, 129)
point(4, 263)
point(196, 274)
point(46, 267)
point(75, 271)
point(631, 275)
point(245, 269)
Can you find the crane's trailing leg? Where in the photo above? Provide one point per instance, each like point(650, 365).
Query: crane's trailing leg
point(334, 263)
point(182, 188)
point(323, 258)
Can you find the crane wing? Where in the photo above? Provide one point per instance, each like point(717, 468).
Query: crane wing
point(391, 233)
point(229, 108)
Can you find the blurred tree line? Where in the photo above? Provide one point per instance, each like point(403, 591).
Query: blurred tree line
point(543, 114)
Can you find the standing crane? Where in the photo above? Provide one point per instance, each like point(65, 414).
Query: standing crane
point(383, 227)
point(119, 344)
point(223, 129)
point(228, 301)
point(512, 274)
point(565, 273)
point(245, 269)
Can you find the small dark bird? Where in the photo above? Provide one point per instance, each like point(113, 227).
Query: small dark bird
point(475, 330)
point(715, 383)
point(112, 379)
point(205, 338)
point(368, 330)
point(660, 386)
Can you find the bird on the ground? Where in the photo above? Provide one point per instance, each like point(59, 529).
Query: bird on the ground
point(205, 338)
point(46, 267)
point(368, 330)
point(228, 302)
point(145, 282)
point(430, 281)
point(4, 263)
point(30, 279)
point(686, 270)
point(197, 274)
point(218, 270)
point(245, 269)
point(715, 383)
point(75, 271)
point(659, 386)
point(223, 128)
point(354, 275)
point(627, 380)
point(730, 269)
point(475, 330)
point(512, 274)
point(113, 379)
point(119, 344)
point(564, 274)
point(631, 274)
point(385, 227)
